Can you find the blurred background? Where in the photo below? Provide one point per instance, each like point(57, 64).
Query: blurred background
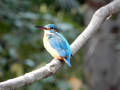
point(95, 67)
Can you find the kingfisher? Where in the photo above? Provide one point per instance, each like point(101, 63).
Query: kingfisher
point(56, 44)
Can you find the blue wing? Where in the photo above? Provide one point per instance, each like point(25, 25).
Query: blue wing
point(59, 43)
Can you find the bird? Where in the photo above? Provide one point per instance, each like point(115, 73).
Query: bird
point(56, 44)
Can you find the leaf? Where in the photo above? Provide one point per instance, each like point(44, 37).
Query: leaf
point(76, 83)
point(17, 69)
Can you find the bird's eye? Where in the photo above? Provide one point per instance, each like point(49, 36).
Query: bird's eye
point(51, 28)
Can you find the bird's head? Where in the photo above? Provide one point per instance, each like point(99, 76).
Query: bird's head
point(48, 28)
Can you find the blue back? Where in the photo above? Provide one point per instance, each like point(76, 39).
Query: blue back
point(59, 43)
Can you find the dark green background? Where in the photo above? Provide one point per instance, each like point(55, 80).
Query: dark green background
point(21, 47)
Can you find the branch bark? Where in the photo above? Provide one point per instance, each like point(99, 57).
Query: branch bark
point(49, 69)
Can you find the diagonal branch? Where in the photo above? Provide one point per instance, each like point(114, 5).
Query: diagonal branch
point(98, 18)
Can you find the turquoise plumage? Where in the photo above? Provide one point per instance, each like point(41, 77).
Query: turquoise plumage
point(56, 44)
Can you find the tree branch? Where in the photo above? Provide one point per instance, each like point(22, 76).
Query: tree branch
point(98, 18)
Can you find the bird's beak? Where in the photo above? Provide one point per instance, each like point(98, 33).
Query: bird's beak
point(41, 27)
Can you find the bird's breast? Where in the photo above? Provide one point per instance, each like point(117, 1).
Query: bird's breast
point(48, 47)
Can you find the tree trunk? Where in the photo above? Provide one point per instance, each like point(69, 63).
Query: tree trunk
point(102, 56)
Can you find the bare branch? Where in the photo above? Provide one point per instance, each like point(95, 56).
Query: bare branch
point(98, 18)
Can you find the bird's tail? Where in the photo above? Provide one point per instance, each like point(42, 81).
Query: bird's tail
point(67, 61)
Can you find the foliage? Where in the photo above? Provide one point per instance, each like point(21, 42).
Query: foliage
point(21, 48)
